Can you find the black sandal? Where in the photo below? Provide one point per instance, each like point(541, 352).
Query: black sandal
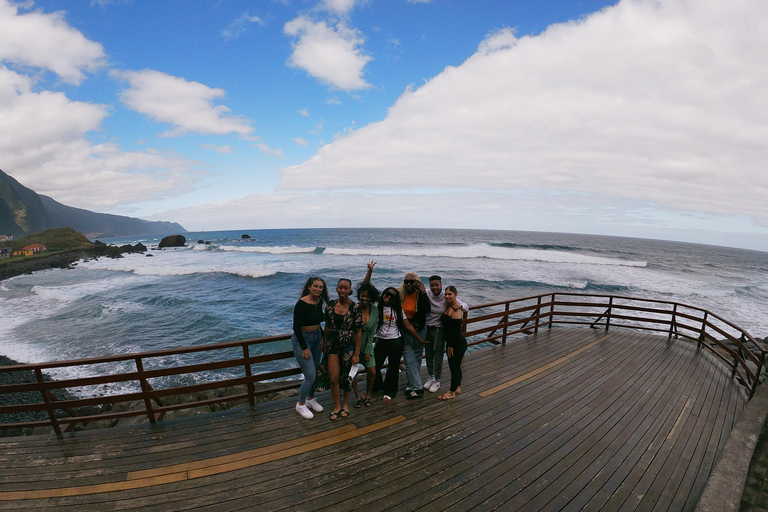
point(334, 416)
point(367, 402)
point(344, 413)
point(358, 404)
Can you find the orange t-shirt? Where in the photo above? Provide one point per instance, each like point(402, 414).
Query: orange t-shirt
point(409, 304)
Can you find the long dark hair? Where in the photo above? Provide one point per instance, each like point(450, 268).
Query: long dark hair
point(397, 308)
point(324, 297)
point(373, 293)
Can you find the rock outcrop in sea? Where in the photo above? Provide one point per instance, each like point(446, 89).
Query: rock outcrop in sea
point(172, 241)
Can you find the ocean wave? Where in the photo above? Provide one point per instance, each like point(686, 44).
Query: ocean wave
point(180, 264)
point(488, 251)
point(73, 292)
point(543, 247)
point(263, 249)
point(753, 292)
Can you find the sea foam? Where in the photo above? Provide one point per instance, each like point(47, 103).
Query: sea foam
point(484, 250)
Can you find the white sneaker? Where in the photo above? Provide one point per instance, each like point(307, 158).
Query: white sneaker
point(430, 381)
point(434, 387)
point(304, 411)
point(314, 405)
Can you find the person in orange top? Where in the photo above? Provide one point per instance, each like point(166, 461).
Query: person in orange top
point(416, 305)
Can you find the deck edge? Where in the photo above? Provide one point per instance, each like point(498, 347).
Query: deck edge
point(725, 485)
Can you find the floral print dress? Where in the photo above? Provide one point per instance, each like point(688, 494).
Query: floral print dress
point(340, 333)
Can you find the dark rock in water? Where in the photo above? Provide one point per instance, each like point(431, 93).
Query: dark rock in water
point(245, 237)
point(201, 241)
point(150, 255)
point(173, 241)
point(140, 247)
point(207, 243)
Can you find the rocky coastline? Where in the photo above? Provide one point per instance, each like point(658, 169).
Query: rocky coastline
point(65, 259)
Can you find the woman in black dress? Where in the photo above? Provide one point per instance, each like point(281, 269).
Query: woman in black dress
point(454, 340)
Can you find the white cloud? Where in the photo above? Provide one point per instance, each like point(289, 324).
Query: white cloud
point(333, 55)
point(304, 112)
point(339, 7)
point(300, 141)
point(218, 149)
point(44, 147)
point(646, 100)
point(240, 25)
point(264, 148)
point(40, 40)
point(188, 106)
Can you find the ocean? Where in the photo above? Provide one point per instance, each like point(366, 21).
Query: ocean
point(235, 288)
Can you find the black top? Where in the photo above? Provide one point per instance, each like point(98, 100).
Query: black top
point(454, 338)
point(306, 314)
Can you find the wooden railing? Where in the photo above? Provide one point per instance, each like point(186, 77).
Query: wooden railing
point(499, 321)
point(492, 323)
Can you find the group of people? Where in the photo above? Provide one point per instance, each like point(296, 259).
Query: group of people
point(403, 322)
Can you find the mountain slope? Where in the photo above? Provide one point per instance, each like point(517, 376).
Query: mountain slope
point(23, 211)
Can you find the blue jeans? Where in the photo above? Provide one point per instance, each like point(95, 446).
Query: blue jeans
point(435, 351)
point(314, 341)
point(412, 351)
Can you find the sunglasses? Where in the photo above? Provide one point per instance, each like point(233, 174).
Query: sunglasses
point(409, 281)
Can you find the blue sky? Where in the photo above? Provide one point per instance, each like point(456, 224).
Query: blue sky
point(639, 117)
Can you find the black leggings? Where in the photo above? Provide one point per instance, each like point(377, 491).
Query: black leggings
point(454, 363)
point(392, 350)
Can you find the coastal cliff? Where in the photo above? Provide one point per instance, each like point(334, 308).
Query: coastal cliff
point(23, 211)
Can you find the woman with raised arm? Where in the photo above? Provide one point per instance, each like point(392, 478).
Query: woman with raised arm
point(367, 295)
point(455, 341)
point(341, 346)
point(389, 337)
point(307, 341)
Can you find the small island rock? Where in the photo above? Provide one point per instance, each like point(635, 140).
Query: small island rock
point(246, 236)
point(172, 241)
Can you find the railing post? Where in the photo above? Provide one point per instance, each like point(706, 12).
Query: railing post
point(608, 313)
point(48, 403)
point(251, 390)
point(506, 321)
point(703, 331)
point(464, 315)
point(673, 323)
point(551, 311)
point(538, 314)
point(145, 390)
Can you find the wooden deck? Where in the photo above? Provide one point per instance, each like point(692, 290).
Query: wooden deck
point(569, 419)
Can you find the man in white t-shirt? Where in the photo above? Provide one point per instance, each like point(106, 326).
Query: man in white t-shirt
point(435, 347)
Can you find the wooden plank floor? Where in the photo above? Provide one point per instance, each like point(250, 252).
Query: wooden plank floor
point(569, 419)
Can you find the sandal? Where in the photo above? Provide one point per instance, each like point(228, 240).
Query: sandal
point(387, 398)
point(344, 413)
point(368, 402)
point(358, 404)
point(334, 416)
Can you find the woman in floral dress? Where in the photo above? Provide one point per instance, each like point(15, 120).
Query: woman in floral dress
point(341, 346)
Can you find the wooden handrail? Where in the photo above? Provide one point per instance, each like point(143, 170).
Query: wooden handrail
point(494, 322)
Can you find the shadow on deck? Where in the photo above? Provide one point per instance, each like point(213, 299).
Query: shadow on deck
point(568, 419)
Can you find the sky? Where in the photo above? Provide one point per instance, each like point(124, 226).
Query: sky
point(644, 118)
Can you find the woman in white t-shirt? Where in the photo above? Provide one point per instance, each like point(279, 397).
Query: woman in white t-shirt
point(389, 341)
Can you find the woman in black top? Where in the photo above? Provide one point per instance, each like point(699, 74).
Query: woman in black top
point(307, 341)
point(454, 340)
